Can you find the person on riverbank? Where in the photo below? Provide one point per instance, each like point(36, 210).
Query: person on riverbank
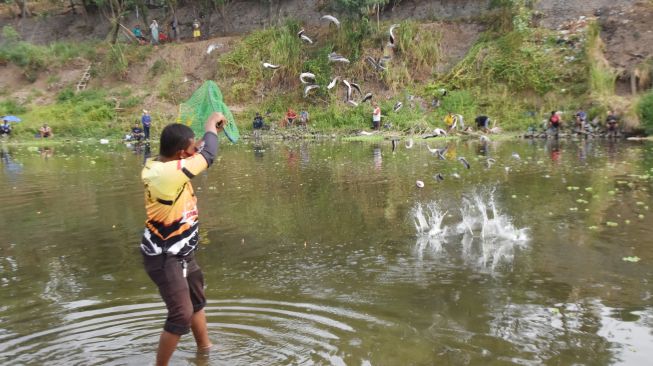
point(197, 33)
point(580, 122)
point(137, 133)
point(449, 120)
point(154, 31)
point(303, 118)
point(138, 33)
point(555, 123)
point(258, 122)
point(376, 116)
point(5, 128)
point(171, 232)
point(290, 118)
point(483, 123)
point(611, 122)
point(146, 121)
point(45, 131)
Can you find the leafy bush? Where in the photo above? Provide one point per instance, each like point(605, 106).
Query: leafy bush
point(645, 112)
point(10, 106)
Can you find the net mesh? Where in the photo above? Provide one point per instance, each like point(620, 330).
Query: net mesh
point(204, 101)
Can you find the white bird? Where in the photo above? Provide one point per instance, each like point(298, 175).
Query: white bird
point(306, 75)
point(270, 66)
point(392, 35)
point(439, 177)
point(304, 37)
point(308, 89)
point(419, 184)
point(516, 156)
point(409, 143)
point(367, 97)
point(455, 175)
point(332, 19)
point(397, 106)
point(333, 82)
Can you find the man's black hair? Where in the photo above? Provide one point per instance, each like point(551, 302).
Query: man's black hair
point(174, 137)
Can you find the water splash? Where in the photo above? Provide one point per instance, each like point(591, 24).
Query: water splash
point(487, 236)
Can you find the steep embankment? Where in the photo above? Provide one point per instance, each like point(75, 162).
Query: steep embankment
point(506, 74)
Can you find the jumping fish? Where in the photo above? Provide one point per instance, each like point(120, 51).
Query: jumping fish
point(333, 83)
point(306, 75)
point(409, 143)
point(308, 89)
point(332, 19)
point(392, 35)
point(464, 161)
point(304, 37)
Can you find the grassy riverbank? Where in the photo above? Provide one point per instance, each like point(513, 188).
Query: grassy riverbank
point(516, 75)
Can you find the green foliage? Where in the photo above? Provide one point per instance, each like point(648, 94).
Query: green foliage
point(358, 8)
point(10, 106)
point(9, 34)
point(86, 114)
point(645, 112)
point(171, 86)
point(602, 78)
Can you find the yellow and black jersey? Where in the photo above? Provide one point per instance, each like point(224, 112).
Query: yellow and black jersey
point(171, 206)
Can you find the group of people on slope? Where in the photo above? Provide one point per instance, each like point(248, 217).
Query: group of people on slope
point(582, 126)
point(156, 36)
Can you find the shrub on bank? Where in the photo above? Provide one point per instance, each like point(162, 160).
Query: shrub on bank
point(645, 111)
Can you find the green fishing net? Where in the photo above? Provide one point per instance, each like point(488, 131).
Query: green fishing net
point(204, 101)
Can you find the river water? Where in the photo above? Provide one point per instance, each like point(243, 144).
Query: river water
point(329, 254)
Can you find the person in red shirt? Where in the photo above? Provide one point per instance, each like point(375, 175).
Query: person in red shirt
point(291, 115)
point(555, 123)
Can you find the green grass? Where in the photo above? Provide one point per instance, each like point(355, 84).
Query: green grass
point(645, 112)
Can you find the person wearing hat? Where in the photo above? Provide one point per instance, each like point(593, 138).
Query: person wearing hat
point(146, 120)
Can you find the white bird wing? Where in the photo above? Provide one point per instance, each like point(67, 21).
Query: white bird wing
point(270, 66)
point(392, 35)
point(348, 88)
point(352, 103)
point(357, 87)
point(306, 39)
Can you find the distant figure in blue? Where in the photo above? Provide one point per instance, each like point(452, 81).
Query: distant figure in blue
point(5, 128)
point(258, 122)
point(146, 120)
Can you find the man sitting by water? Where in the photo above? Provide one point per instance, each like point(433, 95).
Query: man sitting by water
point(291, 115)
point(137, 133)
point(139, 34)
point(611, 122)
point(5, 128)
point(483, 123)
point(45, 131)
point(258, 122)
point(303, 118)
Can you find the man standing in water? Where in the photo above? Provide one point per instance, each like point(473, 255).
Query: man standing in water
point(146, 120)
point(171, 232)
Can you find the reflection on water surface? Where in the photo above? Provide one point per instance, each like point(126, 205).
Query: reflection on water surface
point(326, 253)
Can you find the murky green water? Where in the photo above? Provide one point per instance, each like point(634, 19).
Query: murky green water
point(324, 253)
